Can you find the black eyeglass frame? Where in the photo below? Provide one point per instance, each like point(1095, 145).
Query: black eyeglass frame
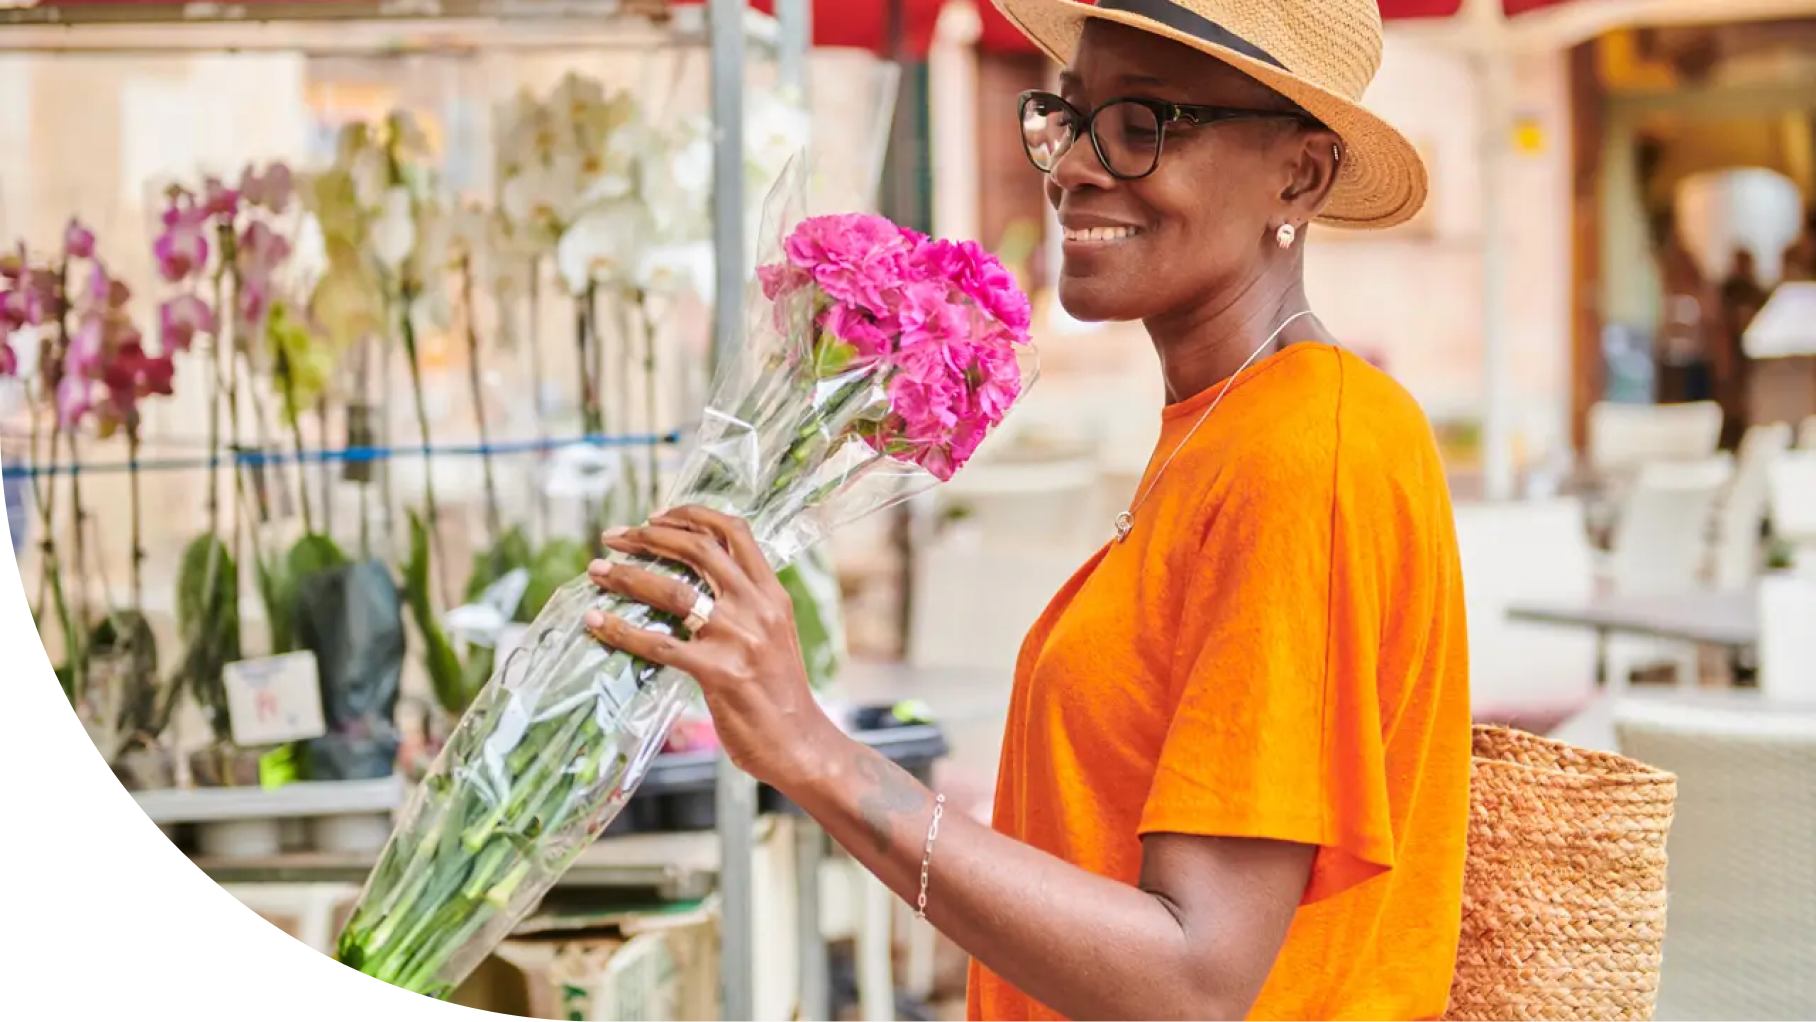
point(1165, 113)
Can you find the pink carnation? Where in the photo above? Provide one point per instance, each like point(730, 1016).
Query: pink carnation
point(983, 279)
point(859, 329)
point(856, 259)
point(928, 316)
point(780, 280)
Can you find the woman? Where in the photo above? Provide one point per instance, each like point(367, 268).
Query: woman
point(1687, 365)
point(1742, 296)
point(1234, 779)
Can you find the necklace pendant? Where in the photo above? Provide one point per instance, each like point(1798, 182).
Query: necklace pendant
point(1125, 524)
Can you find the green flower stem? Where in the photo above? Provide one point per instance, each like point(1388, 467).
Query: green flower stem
point(630, 497)
point(50, 568)
point(78, 652)
point(295, 414)
point(137, 525)
point(537, 384)
point(431, 506)
point(214, 402)
point(474, 842)
point(542, 774)
point(649, 399)
point(494, 520)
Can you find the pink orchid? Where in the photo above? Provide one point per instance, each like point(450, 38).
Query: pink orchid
point(254, 300)
point(181, 318)
point(218, 199)
point(9, 359)
point(272, 189)
point(104, 292)
point(121, 372)
point(158, 376)
point(261, 250)
point(20, 307)
point(182, 248)
point(75, 398)
point(78, 241)
point(87, 351)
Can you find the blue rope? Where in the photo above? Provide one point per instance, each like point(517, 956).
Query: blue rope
point(355, 455)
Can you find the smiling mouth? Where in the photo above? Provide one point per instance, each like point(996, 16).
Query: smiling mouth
point(1100, 235)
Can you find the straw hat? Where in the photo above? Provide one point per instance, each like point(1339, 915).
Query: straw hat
point(1320, 54)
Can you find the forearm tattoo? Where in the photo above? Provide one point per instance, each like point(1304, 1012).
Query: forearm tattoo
point(892, 794)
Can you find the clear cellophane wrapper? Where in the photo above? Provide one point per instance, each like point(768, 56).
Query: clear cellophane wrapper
point(562, 734)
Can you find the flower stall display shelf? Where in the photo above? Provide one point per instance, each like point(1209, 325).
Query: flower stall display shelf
point(341, 817)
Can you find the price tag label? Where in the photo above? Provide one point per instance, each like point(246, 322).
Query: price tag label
point(273, 700)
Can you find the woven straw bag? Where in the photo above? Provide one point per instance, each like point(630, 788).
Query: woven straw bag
point(1564, 883)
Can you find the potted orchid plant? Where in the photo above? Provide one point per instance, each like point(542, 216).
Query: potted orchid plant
point(223, 251)
point(94, 369)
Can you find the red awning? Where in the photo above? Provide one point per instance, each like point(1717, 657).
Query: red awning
point(999, 36)
point(864, 24)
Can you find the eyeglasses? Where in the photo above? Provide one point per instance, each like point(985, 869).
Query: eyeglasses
point(1127, 133)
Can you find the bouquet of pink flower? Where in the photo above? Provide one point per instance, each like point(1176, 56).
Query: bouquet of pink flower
point(876, 361)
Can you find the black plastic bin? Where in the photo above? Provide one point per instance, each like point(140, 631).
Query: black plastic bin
point(678, 793)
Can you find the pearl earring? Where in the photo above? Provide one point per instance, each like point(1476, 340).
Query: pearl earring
point(1285, 235)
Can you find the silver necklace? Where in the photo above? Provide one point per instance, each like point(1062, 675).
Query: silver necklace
point(1125, 521)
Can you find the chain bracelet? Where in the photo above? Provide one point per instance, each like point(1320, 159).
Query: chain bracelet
point(933, 834)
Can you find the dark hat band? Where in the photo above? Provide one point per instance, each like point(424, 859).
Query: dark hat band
point(1187, 22)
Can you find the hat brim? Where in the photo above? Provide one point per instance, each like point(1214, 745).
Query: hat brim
point(1382, 180)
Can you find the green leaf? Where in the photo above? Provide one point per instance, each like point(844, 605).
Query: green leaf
point(512, 551)
point(554, 566)
point(813, 586)
point(123, 641)
point(208, 620)
point(447, 675)
point(281, 584)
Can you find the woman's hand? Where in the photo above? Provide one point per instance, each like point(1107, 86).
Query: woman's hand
point(746, 658)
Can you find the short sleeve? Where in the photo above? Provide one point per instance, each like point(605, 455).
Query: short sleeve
point(1277, 729)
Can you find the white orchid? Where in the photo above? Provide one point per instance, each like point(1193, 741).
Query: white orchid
point(675, 268)
point(393, 236)
point(605, 245)
point(775, 131)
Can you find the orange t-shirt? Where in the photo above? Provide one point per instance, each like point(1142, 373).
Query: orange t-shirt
point(1277, 651)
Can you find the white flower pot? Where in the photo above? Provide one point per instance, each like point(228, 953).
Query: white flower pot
point(1787, 637)
point(292, 834)
point(351, 833)
point(240, 839)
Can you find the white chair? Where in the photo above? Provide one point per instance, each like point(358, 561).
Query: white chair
point(1624, 437)
point(1659, 546)
point(1738, 939)
point(1792, 486)
point(1532, 551)
point(1743, 507)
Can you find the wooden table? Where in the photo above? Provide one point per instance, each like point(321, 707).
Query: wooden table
point(1727, 620)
